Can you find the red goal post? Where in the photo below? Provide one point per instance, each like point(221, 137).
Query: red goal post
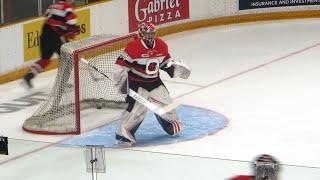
point(78, 87)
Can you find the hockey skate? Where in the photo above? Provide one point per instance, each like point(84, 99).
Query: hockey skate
point(26, 81)
point(123, 141)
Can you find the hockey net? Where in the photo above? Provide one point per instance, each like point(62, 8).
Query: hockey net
point(78, 87)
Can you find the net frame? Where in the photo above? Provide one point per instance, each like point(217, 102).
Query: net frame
point(36, 124)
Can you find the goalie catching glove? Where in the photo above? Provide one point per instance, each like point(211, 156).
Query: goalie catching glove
point(178, 69)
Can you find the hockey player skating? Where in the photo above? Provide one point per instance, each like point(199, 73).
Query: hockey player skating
point(60, 26)
point(265, 167)
point(138, 68)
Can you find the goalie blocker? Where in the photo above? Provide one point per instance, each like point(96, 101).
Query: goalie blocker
point(140, 64)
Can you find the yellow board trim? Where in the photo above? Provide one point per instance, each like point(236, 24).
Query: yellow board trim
point(196, 25)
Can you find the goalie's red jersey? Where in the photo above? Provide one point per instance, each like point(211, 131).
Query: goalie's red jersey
point(144, 63)
point(241, 177)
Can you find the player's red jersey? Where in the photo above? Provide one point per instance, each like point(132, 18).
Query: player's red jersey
point(144, 63)
point(241, 177)
point(61, 17)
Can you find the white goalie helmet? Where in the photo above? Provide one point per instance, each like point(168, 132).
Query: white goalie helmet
point(266, 167)
point(147, 32)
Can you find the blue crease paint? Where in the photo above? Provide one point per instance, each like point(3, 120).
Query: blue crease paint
point(199, 122)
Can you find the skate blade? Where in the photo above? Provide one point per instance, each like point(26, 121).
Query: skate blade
point(123, 144)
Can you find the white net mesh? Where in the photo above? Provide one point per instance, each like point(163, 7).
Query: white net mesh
point(78, 86)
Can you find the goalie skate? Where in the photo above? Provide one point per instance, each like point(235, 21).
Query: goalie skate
point(122, 141)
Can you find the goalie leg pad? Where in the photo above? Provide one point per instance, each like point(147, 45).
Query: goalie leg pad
point(125, 137)
point(131, 120)
point(160, 96)
point(169, 121)
point(170, 126)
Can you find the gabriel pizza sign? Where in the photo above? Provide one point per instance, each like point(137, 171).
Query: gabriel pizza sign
point(156, 11)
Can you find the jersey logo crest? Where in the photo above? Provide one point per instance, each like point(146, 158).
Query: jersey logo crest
point(152, 66)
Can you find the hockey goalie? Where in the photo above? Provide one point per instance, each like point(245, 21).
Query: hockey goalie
point(137, 68)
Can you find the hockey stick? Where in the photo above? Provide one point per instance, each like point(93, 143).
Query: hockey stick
point(95, 79)
point(138, 97)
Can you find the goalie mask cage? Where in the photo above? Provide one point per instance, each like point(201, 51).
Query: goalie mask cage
point(79, 87)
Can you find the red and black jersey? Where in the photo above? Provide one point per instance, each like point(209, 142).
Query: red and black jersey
point(242, 177)
point(144, 63)
point(61, 17)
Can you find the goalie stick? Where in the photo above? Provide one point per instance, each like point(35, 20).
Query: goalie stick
point(138, 97)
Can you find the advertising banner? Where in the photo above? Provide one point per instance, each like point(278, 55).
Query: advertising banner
point(32, 32)
point(255, 4)
point(156, 11)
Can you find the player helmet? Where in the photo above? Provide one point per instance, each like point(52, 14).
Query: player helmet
point(147, 32)
point(266, 167)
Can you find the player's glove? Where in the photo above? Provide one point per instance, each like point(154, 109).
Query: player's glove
point(73, 31)
point(181, 69)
